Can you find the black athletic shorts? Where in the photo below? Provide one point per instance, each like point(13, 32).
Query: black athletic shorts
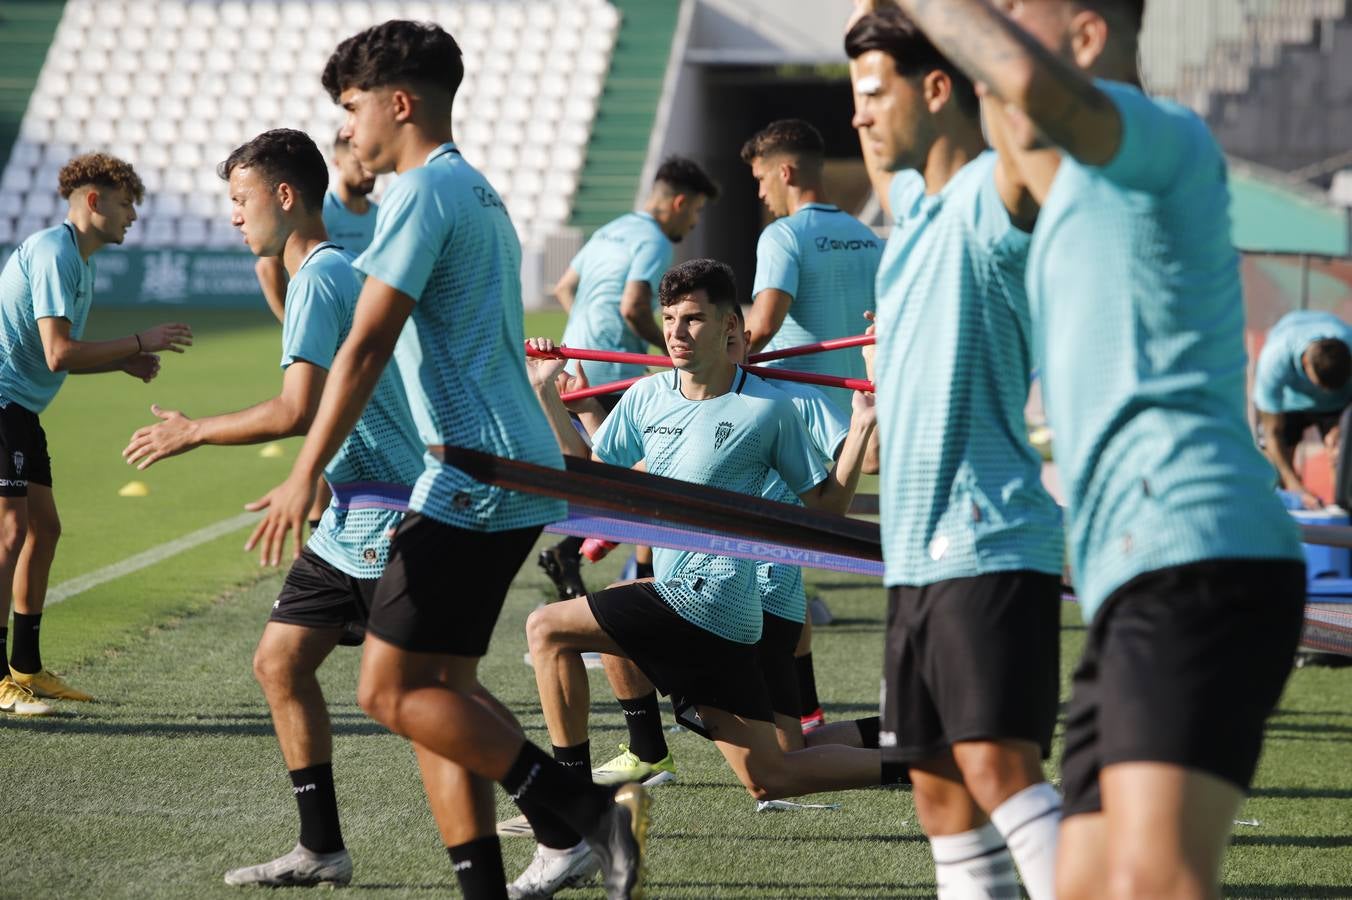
point(1183, 665)
point(23, 452)
point(779, 638)
point(683, 661)
point(318, 595)
point(443, 586)
point(971, 659)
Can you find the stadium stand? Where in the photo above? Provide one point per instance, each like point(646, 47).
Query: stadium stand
point(171, 88)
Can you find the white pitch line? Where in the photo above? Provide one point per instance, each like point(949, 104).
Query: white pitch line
point(68, 589)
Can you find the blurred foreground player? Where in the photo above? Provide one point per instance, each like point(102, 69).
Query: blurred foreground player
point(445, 259)
point(276, 185)
point(46, 289)
point(1187, 567)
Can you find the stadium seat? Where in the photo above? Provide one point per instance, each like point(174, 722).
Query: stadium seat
point(7, 234)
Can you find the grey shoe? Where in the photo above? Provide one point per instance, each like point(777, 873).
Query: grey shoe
point(549, 873)
point(299, 868)
point(620, 842)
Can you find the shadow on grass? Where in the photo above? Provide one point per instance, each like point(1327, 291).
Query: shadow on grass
point(1320, 842)
point(795, 889)
point(1303, 793)
point(1287, 890)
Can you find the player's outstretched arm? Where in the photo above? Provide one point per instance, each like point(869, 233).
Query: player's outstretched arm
point(66, 354)
point(769, 309)
point(566, 290)
point(289, 413)
point(993, 51)
point(837, 490)
point(381, 313)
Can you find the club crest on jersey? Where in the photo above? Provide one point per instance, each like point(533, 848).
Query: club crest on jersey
point(18, 462)
point(721, 433)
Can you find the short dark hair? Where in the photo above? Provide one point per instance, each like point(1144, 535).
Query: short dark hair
point(393, 52)
point(1331, 361)
point(283, 155)
point(793, 137)
point(684, 176)
point(709, 275)
point(100, 170)
point(892, 32)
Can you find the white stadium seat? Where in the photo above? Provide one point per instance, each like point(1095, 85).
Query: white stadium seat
point(174, 85)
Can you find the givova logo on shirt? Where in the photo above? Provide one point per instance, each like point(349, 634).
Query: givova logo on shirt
point(488, 199)
point(721, 433)
point(827, 244)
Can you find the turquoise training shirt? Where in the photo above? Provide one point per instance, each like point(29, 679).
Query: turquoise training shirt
point(1280, 384)
point(732, 442)
point(631, 248)
point(45, 277)
point(376, 466)
point(443, 238)
point(347, 229)
point(827, 260)
point(1135, 292)
point(961, 485)
point(781, 586)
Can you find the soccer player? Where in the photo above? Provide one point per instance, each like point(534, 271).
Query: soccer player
point(1187, 567)
point(349, 219)
point(815, 264)
point(971, 539)
point(783, 611)
point(277, 191)
point(608, 293)
point(445, 259)
point(46, 289)
point(1304, 378)
point(693, 629)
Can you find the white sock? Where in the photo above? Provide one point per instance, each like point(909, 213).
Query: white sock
point(974, 865)
point(1030, 822)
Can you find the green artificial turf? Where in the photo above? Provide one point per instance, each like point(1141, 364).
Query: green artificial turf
point(174, 776)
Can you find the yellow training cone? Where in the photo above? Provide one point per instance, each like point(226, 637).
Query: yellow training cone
point(134, 489)
point(272, 451)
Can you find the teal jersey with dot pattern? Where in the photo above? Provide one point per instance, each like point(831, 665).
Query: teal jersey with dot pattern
point(377, 464)
point(781, 586)
point(347, 229)
point(827, 260)
point(44, 277)
point(631, 248)
point(443, 238)
point(732, 442)
point(1135, 292)
point(1280, 384)
point(961, 485)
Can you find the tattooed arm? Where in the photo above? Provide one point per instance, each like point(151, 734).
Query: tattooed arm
point(1058, 99)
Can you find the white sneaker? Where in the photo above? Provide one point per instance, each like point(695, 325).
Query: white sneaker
point(300, 867)
point(553, 870)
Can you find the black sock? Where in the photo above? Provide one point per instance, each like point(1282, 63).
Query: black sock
point(314, 524)
point(536, 778)
point(644, 720)
point(313, 787)
point(4, 652)
point(576, 759)
point(27, 657)
point(868, 731)
point(570, 546)
point(643, 570)
point(895, 773)
point(807, 684)
point(478, 867)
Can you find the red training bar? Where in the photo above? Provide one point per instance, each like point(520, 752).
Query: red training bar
point(860, 340)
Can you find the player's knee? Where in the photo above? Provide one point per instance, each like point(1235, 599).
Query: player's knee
point(13, 533)
point(539, 630)
point(275, 674)
point(46, 531)
point(764, 780)
point(378, 701)
point(992, 773)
